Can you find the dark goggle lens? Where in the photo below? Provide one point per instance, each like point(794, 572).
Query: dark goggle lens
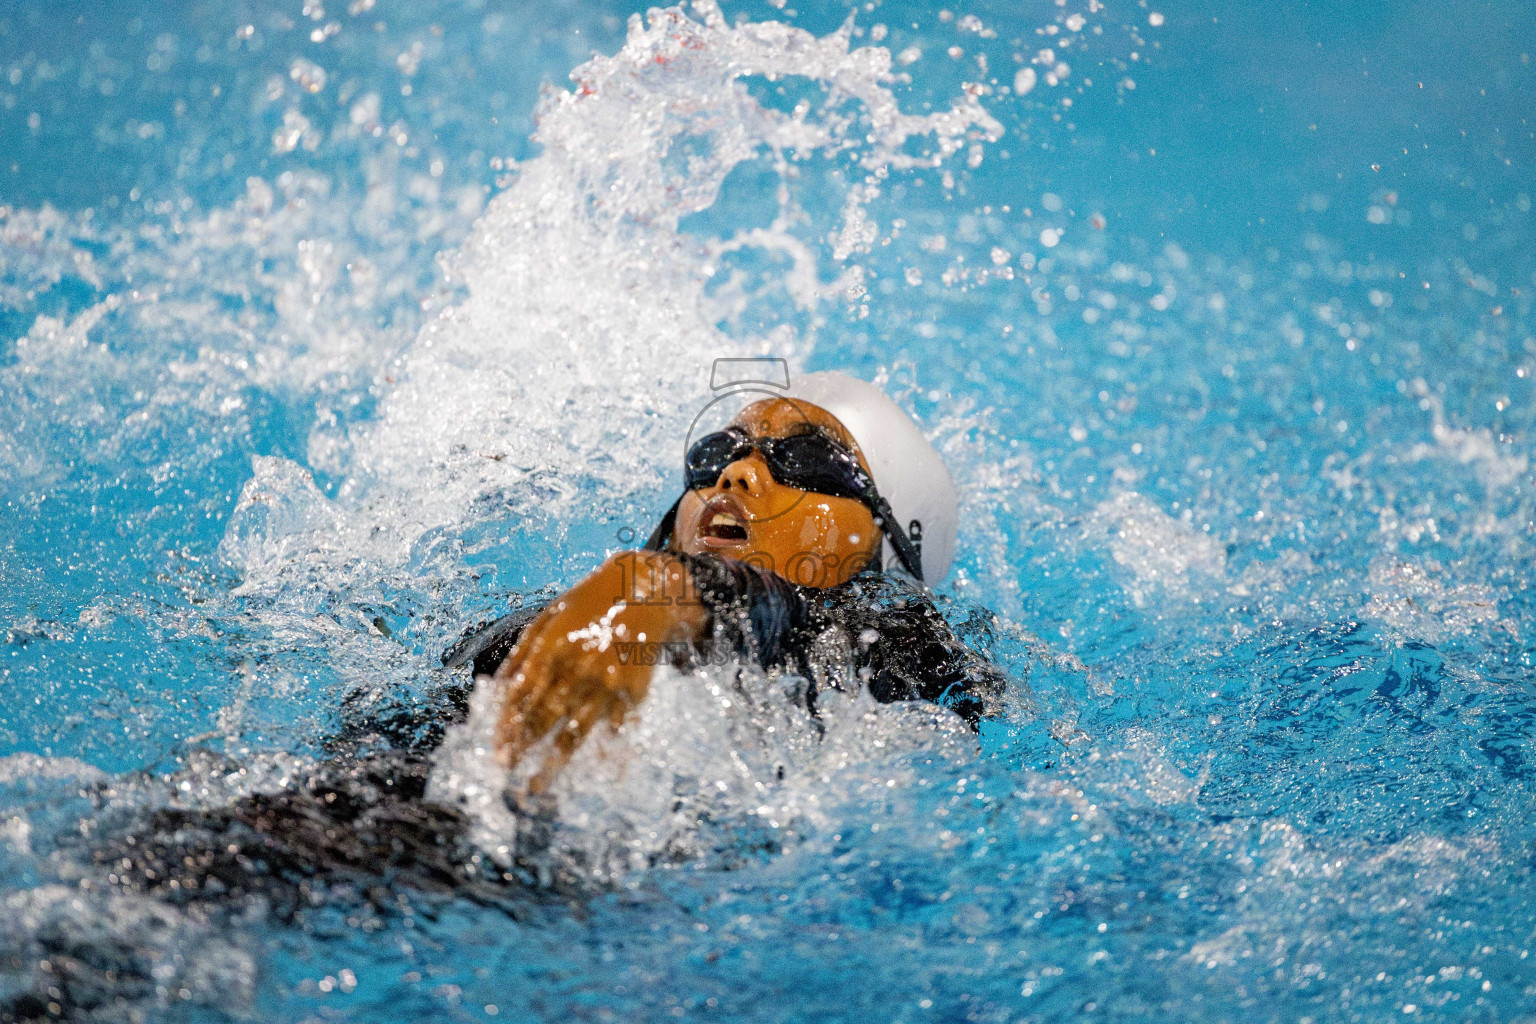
point(816, 463)
point(811, 462)
point(710, 455)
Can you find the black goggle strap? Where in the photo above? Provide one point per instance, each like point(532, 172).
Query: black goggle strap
point(663, 532)
point(886, 520)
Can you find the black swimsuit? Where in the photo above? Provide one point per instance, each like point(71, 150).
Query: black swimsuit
point(876, 630)
point(356, 830)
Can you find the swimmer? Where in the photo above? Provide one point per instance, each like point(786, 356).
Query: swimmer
point(802, 543)
point(774, 554)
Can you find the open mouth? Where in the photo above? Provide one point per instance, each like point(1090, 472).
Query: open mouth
point(724, 521)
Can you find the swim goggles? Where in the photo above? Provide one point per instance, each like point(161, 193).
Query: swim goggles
point(811, 461)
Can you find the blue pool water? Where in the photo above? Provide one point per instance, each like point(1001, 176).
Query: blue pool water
point(327, 328)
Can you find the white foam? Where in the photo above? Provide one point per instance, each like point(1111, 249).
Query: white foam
point(1495, 467)
point(725, 746)
point(26, 767)
point(1495, 461)
point(177, 958)
point(280, 518)
point(282, 291)
point(584, 341)
point(1413, 596)
point(1160, 551)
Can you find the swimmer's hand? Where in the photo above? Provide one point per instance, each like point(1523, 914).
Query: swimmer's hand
point(577, 664)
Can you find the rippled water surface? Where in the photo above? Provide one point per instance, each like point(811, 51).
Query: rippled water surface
point(328, 329)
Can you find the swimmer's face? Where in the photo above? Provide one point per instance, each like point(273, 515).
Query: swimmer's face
point(808, 538)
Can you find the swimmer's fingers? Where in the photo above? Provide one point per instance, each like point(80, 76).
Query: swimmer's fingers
point(553, 685)
point(598, 706)
point(573, 678)
point(526, 680)
point(556, 679)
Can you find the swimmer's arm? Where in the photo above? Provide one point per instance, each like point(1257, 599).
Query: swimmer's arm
point(588, 657)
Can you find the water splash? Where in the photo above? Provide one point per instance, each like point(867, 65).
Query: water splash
point(582, 343)
point(1267, 509)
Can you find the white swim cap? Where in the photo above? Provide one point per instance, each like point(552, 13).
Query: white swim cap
point(908, 472)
